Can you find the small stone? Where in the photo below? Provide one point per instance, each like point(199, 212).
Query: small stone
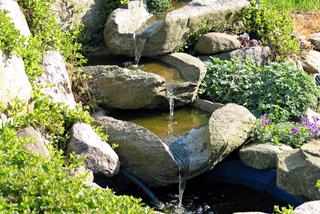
point(315, 40)
point(101, 157)
point(37, 143)
point(262, 155)
point(311, 64)
point(55, 79)
point(212, 43)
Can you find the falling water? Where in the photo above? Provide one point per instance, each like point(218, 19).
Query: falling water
point(181, 156)
point(143, 34)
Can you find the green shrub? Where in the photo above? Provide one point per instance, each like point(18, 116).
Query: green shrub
point(10, 40)
point(32, 184)
point(273, 28)
point(279, 89)
point(158, 7)
point(283, 210)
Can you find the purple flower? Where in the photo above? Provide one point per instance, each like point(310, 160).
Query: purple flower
point(295, 130)
point(316, 134)
point(265, 120)
point(304, 121)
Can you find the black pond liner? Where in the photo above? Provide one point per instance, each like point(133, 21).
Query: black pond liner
point(230, 187)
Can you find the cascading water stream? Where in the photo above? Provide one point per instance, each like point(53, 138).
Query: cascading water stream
point(181, 156)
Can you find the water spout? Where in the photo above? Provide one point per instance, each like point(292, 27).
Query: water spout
point(142, 35)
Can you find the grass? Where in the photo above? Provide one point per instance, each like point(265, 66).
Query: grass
point(293, 5)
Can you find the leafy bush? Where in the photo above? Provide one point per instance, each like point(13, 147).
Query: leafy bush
point(273, 28)
point(32, 184)
point(279, 89)
point(290, 133)
point(283, 210)
point(10, 39)
point(158, 7)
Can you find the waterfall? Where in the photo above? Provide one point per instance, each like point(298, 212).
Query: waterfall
point(181, 156)
point(143, 34)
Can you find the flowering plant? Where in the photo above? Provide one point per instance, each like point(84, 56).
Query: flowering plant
point(290, 133)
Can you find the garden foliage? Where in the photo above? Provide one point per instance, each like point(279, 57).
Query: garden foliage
point(279, 90)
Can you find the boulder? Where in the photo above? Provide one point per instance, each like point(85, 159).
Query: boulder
point(258, 54)
point(315, 40)
point(298, 170)
point(212, 43)
point(121, 25)
point(37, 144)
point(262, 155)
point(16, 15)
point(192, 71)
point(163, 35)
point(311, 64)
point(55, 79)
point(141, 152)
point(311, 207)
point(100, 156)
point(14, 82)
point(230, 127)
point(72, 13)
point(121, 88)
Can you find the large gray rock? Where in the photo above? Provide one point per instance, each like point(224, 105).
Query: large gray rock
point(55, 79)
point(315, 41)
point(16, 15)
point(121, 25)
point(298, 170)
point(192, 71)
point(212, 43)
point(262, 155)
point(311, 207)
point(311, 64)
point(14, 83)
point(100, 156)
point(116, 87)
point(141, 152)
point(230, 127)
point(260, 55)
point(37, 144)
point(170, 31)
point(72, 13)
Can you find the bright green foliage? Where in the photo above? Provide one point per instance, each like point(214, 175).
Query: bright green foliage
point(158, 7)
point(282, 133)
point(318, 185)
point(293, 5)
point(279, 89)
point(273, 28)
point(32, 184)
point(283, 210)
point(10, 40)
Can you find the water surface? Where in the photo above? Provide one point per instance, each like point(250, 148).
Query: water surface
point(158, 121)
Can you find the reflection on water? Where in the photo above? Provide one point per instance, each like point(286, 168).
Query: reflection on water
point(157, 121)
point(169, 73)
